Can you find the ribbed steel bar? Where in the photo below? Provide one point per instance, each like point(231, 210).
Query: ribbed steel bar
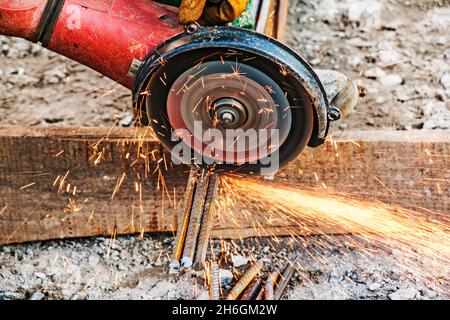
point(244, 281)
point(214, 285)
point(285, 277)
point(183, 220)
point(206, 221)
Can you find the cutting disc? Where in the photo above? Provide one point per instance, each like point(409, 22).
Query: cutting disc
point(231, 99)
point(242, 108)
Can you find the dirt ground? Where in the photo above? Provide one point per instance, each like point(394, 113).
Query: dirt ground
point(397, 50)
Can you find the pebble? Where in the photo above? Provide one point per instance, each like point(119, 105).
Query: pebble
point(360, 43)
point(445, 80)
point(265, 261)
point(225, 276)
point(37, 296)
point(11, 296)
point(40, 275)
point(94, 260)
point(55, 75)
point(315, 61)
point(390, 57)
point(239, 261)
point(6, 249)
point(374, 73)
point(405, 294)
point(391, 80)
point(126, 121)
point(375, 286)
point(366, 12)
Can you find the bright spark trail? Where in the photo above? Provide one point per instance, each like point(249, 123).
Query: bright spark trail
point(413, 241)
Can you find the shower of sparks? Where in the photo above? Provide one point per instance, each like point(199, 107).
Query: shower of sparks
point(2, 210)
point(410, 240)
point(27, 186)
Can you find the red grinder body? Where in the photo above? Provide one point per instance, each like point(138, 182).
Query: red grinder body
point(104, 35)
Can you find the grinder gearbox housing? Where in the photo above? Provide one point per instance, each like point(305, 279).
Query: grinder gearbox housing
point(231, 78)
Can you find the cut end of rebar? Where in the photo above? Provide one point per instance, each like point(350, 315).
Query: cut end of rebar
point(186, 262)
point(198, 266)
point(174, 267)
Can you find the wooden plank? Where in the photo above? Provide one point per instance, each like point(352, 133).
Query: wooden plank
point(75, 182)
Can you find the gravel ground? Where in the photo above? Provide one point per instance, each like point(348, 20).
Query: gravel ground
point(399, 51)
point(136, 268)
point(401, 60)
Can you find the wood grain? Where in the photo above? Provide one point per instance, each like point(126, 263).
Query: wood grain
point(76, 182)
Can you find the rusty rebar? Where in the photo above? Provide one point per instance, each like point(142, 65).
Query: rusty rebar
point(206, 221)
point(214, 285)
point(253, 289)
point(273, 278)
point(244, 281)
point(285, 277)
point(268, 291)
point(198, 218)
point(183, 220)
point(195, 221)
point(269, 285)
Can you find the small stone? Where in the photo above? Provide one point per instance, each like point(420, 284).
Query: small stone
point(203, 296)
point(315, 61)
point(366, 12)
point(6, 249)
point(375, 286)
point(445, 80)
point(174, 267)
point(405, 294)
point(374, 73)
point(354, 61)
point(428, 294)
point(225, 276)
point(392, 80)
point(360, 43)
point(18, 72)
point(126, 121)
point(239, 261)
point(265, 261)
point(93, 260)
point(11, 296)
point(390, 56)
point(40, 275)
point(122, 266)
point(158, 263)
point(37, 296)
point(55, 76)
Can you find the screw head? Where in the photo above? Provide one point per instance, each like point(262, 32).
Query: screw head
point(334, 114)
point(192, 28)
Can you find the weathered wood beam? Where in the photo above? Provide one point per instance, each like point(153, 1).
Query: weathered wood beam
point(76, 182)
